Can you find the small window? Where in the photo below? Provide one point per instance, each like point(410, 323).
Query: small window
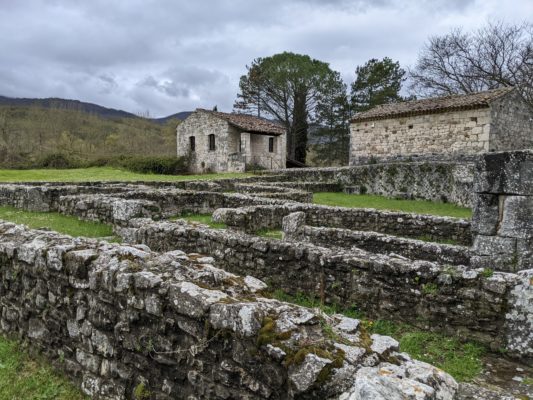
point(271, 145)
point(212, 142)
point(473, 119)
point(410, 126)
point(192, 143)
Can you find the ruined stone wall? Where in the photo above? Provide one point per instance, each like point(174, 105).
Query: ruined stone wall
point(252, 218)
point(451, 133)
point(446, 298)
point(295, 230)
point(436, 181)
point(127, 323)
point(511, 124)
point(503, 213)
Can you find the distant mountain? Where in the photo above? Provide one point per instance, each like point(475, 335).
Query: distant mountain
point(66, 104)
point(181, 116)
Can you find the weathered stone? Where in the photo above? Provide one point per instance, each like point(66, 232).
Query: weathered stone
point(304, 375)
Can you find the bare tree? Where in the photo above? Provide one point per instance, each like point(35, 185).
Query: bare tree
point(496, 55)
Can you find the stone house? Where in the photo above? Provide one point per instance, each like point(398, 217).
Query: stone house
point(224, 142)
point(448, 127)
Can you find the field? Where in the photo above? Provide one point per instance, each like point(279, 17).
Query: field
point(384, 203)
point(99, 174)
point(57, 222)
point(22, 377)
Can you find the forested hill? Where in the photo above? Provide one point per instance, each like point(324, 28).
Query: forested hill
point(29, 133)
point(76, 105)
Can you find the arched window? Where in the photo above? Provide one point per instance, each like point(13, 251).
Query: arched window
point(212, 142)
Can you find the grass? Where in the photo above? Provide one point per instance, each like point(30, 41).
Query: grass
point(22, 377)
point(384, 203)
point(100, 174)
point(427, 238)
point(462, 360)
point(57, 222)
point(270, 233)
point(206, 219)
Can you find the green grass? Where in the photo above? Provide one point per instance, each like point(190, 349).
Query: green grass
point(206, 219)
point(427, 238)
point(384, 203)
point(99, 174)
point(22, 377)
point(270, 233)
point(461, 360)
point(57, 222)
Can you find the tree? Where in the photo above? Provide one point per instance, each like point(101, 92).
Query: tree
point(333, 118)
point(377, 82)
point(496, 55)
point(286, 87)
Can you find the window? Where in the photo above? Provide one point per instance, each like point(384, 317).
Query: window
point(192, 143)
point(271, 145)
point(410, 126)
point(212, 142)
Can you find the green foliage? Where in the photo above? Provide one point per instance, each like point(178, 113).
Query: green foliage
point(57, 222)
point(430, 288)
point(100, 174)
point(206, 219)
point(22, 377)
point(487, 273)
point(287, 87)
point(57, 138)
point(427, 238)
point(156, 165)
point(383, 203)
point(377, 82)
point(141, 392)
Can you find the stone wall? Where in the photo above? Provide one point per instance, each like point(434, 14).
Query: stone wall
point(295, 230)
point(451, 133)
point(129, 323)
point(435, 181)
point(252, 218)
point(445, 298)
point(503, 213)
point(511, 124)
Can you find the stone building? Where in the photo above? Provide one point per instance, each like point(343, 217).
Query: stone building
point(223, 142)
point(443, 128)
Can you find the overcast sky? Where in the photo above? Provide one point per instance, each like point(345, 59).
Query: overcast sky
point(168, 56)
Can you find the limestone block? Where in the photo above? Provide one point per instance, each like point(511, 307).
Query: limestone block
point(485, 215)
point(517, 220)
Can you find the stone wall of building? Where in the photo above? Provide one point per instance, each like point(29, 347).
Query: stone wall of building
point(489, 308)
point(295, 230)
point(511, 124)
point(451, 133)
point(252, 218)
point(127, 323)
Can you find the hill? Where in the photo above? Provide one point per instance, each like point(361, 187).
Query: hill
point(30, 132)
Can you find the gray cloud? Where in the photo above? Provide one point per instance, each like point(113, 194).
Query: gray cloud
point(168, 56)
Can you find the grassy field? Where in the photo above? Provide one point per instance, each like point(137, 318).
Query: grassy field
point(384, 203)
point(460, 359)
point(57, 222)
point(99, 174)
point(22, 377)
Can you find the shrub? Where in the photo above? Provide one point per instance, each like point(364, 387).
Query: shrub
point(157, 165)
point(60, 161)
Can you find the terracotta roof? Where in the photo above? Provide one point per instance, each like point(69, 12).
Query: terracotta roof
point(249, 123)
point(432, 105)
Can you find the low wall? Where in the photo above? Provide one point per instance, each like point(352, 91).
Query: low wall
point(436, 181)
point(447, 298)
point(128, 323)
point(295, 230)
point(252, 218)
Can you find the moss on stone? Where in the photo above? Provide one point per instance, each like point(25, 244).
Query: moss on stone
point(141, 392)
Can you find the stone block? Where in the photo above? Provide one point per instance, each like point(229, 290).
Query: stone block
point(517, 220)
point(505, 173)
point(485, 215)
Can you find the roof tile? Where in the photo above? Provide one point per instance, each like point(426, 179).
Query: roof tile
point(249, 123)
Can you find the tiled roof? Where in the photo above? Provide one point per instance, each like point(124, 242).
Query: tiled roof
point(432, 105)
point(249, 123)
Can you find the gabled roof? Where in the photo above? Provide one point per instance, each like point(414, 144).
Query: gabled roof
point(433, 105)
point(248, 123)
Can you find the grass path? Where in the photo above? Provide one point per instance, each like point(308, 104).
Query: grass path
point(99, 174)
point(57, 222)
point(384, 203)
point(22, 377)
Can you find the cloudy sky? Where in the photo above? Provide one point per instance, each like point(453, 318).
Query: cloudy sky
point(167, 56)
